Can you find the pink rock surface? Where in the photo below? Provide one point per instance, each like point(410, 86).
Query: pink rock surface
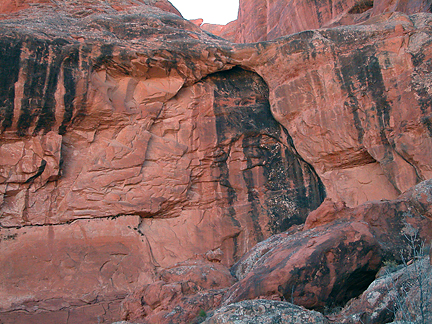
point(128, 129)
point(185, 290)
point(347, 115)
point(261, 20)
point(81, 270)
point(83, 7)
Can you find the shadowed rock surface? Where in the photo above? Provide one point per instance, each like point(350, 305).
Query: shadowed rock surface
point(403, 293)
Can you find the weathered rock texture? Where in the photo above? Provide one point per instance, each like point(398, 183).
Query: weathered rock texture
point(86, 7)
point(343, 98)
point(403, 294)
point(227, 31)
point(329, 268)
point(262, 20)
point(184, 292)
point(265, 312)
point(131, 140)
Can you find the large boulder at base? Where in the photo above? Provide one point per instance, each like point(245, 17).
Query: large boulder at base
point(390, 221)
point(337, 253)
point(264, 312)
point(324, 266)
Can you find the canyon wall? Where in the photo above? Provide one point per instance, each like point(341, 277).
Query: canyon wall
point(134, 146)
point(264, 20)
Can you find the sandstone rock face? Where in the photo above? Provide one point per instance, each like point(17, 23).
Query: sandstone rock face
point(363, 88)
point(183, 292)
point(131, 141)
point(266, 20)
point(79, 272)
point(103, 122)
point(363, 78)
point(261, 20)
point(264, 311)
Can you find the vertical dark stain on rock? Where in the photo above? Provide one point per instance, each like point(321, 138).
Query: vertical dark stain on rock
point(291, 187)
point(36, 66)
point(423, 67)
point(375, 84)
point(360, 74)
point(105, 57)
point(220, 162)
point(10, 52)
point(47, 116)
point(85, 67)
point(253, 159)
point(351, 103)
point(70, 66)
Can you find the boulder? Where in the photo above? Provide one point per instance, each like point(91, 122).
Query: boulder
point(336, 254)
point(403, 293)
point(265, 312)
point(391, 222)
point(325, 266)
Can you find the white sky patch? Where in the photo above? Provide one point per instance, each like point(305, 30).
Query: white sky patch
point(218, 12)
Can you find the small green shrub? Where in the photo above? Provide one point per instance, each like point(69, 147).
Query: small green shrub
point(202, 313)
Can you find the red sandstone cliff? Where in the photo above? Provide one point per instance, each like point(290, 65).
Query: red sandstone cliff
point(263, 20)
point(142, 156)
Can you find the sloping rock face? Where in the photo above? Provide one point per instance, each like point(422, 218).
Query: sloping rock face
point(227, 31)
point(262, 20)
point(131, 141)
point(86, 7)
